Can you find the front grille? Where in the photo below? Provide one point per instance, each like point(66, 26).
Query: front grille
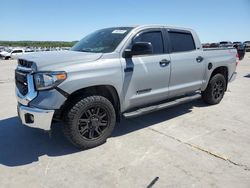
point(25, 63)
point(21, 82)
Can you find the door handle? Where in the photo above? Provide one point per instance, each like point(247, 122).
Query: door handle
point(164, 62)
point(199, 59)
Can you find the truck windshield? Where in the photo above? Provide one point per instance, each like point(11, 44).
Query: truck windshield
point(102, 41)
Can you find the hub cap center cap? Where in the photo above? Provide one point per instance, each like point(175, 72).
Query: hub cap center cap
point(94, 122)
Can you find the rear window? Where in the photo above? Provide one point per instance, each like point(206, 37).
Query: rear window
point(181, 42)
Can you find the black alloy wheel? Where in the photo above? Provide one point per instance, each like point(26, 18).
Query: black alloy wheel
point(218, 89)
point(215, 90)
point(94, 121)
point(89, 121)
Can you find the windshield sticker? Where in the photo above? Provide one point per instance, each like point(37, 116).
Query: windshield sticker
point(119, 31)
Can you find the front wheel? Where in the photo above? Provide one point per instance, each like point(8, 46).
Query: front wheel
point(90, 122)
point(215, 89)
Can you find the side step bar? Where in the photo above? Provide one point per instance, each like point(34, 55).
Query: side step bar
point(168, 104)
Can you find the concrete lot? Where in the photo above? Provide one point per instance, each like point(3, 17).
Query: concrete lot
point(192, 145)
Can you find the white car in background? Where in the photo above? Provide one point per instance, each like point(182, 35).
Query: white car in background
point(12, 53)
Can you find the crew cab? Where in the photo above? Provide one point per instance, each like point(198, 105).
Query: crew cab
point(116, 73)
point(11, 53)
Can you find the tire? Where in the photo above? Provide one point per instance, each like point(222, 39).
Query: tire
point(215, 90)
point(89, 122)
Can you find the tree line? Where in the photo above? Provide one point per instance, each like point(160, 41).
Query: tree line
point(38, 43)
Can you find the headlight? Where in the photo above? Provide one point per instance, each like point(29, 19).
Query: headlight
point(48, 80)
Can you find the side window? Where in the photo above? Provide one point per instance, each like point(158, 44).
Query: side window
point(17, 51)
point(181, 42)
point(155, 38)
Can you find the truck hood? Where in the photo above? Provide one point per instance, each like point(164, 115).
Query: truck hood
point(52, 60)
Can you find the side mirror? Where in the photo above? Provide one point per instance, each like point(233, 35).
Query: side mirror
point(139, 48)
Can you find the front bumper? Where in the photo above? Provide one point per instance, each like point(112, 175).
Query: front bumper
point(35, 117)
point(232, 78)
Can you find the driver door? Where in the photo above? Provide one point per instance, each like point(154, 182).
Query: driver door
point(146, 77)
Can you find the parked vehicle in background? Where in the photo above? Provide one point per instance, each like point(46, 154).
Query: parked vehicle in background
point(29, 49)
point(206, 45)
point(16, 53)
point(2, 48)
point(11, 53)
point(237, 43)
point(240, 49)
point(214, 45)
point(119, 72)
point(4, 52)
point(210, 45)
point(247, 45)
point(225, 44)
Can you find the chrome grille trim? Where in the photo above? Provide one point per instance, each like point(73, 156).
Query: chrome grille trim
point(27, 70)
point(21, 82)
point(32, 93)
point(24, 69)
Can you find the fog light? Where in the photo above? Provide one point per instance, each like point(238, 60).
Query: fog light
point(29, 118)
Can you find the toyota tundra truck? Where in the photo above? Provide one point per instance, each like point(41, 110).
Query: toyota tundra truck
point(116, 73)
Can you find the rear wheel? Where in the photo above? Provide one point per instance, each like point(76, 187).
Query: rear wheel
point(215, 89)
point(90, 122)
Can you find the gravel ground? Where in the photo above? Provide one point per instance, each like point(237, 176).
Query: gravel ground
point(191, 145)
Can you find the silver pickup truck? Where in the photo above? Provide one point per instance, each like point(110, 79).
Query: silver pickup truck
point(118, 72)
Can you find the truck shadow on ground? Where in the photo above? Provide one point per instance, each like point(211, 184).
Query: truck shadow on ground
point(140, 122)
point(20, 145)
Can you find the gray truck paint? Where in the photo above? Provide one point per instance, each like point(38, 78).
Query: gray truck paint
point(182, 76)
point(50, 99)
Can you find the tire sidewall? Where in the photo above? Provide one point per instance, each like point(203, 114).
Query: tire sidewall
point(209, 98)
point(74, 115)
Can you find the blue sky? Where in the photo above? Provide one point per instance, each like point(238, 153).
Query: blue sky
point(214, 20)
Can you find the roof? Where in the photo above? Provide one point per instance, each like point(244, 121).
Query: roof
point(161, 25)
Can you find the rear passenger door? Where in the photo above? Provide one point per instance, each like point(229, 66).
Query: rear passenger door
point(186, 63)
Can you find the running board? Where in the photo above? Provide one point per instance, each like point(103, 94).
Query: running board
point(157, 107)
